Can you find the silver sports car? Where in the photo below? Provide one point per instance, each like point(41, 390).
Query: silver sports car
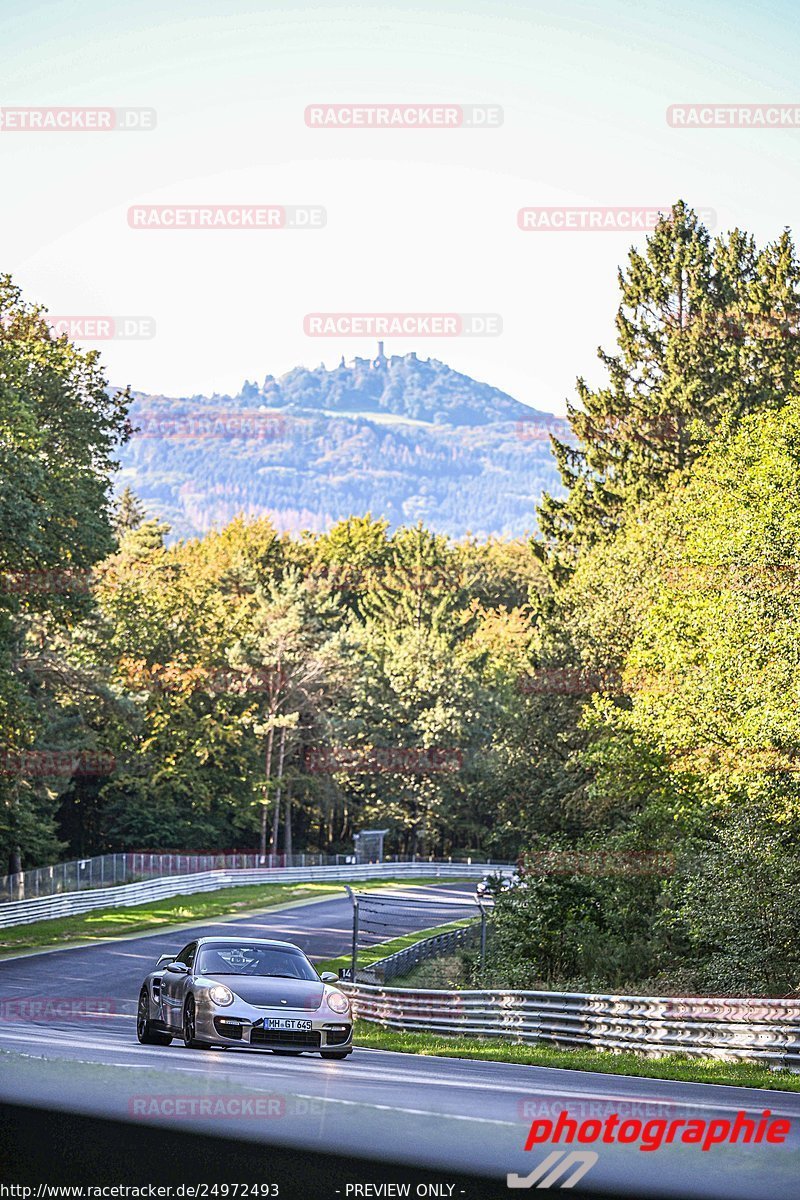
point(233, 992)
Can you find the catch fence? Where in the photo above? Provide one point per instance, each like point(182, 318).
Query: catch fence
point(108, 870)
point(23, 912)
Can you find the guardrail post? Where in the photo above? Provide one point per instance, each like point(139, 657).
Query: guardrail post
point(354, 954)
point(483, 935)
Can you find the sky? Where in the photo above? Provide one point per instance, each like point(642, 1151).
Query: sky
point(416, 220)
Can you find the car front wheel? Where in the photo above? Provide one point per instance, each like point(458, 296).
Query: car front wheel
point(190, 1028)
point(335, 1053)
point(146, 1035)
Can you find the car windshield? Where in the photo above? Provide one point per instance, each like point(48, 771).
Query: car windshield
point(241, 958)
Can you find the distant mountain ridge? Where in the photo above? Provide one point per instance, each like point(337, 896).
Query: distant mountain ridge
point(401, 437)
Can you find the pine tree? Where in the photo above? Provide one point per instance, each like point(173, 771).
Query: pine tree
point(706, 332)
point(145, 539)
point(129, 512)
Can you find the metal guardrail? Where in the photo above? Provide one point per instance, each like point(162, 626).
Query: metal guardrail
point(108, 870)
point(402, 961)
point(24, 912)
point(748, 1030)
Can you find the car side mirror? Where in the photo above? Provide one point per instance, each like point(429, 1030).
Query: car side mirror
point(329, 977)
point(178, 968)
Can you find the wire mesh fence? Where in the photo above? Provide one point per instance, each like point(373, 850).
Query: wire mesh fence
point(20, 912)
point(380, 918)
point(108, 870)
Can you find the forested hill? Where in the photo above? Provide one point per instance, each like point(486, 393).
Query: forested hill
point(400, 437)
point(403, 385)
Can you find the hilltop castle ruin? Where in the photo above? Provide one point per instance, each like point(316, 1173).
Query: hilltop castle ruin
point(380, 362)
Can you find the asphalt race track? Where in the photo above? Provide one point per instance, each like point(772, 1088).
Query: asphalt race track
point(449, 1114)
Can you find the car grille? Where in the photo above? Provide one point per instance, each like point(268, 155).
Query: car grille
point(335, 1037)
point(298, 1038)
point(228, 1028)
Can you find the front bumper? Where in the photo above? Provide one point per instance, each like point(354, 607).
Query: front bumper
point(244, 1025)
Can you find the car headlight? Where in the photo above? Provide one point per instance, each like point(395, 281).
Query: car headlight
point(221, 995)
point(338, 1002)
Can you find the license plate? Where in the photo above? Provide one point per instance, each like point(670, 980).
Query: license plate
point(286, 1023)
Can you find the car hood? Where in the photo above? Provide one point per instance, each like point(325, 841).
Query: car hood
point(266, 991)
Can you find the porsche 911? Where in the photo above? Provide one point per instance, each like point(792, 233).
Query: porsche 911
point(244, 992)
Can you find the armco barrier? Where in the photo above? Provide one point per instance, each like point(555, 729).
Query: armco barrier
point(747, 1030)
point(108, 870)
point(403, 961)
point(24, 912)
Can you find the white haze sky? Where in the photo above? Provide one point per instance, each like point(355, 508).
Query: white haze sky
point(417, 220)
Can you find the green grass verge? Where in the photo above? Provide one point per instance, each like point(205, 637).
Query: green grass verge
point(177, 910)
point(371, 954)
point(675, 1066)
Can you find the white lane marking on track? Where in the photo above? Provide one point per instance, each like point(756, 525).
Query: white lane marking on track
point(363, 1103)
point(316, 1069)
point(415, 1112)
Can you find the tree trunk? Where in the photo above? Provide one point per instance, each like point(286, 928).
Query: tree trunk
point(262, 845)
point(18, 882)
point(277, 814)
point(287, 833)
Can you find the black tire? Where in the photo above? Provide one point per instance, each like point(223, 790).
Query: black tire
point(189, 1039)
point(144, 1032)
point(335, 1053)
